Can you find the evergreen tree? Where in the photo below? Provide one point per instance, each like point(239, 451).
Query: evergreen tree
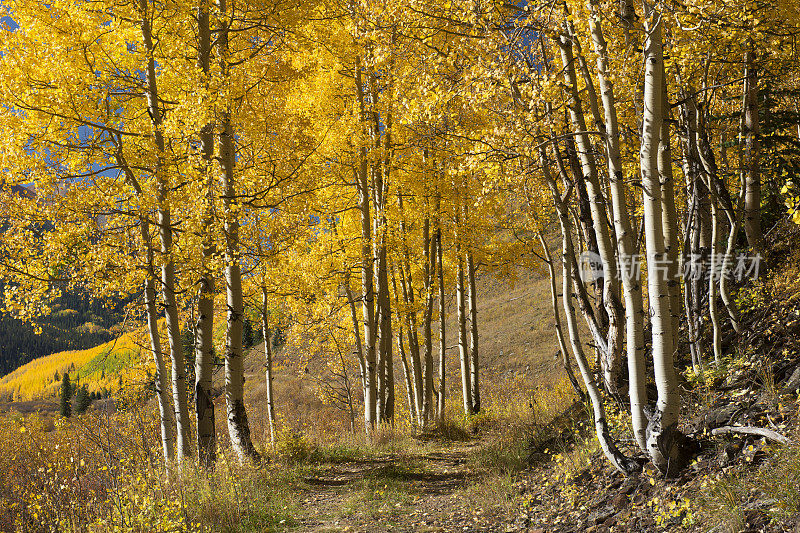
point(187, 341)
point(66, 392)
point(82, 400)
point(248, 335)
point(278, 338)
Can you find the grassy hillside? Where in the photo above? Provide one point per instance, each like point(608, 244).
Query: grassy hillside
point(104, 367)
point(517, 345)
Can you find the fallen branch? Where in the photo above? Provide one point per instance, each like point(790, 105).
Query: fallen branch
point(750, 430)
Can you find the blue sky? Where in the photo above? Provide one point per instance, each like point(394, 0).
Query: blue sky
point(6, 20)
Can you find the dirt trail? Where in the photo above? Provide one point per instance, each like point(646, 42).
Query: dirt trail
point(423, 492)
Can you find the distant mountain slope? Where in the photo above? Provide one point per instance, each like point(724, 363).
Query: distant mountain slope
point(77, 322)
point(102, 368)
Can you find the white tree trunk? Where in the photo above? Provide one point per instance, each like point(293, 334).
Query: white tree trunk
point(669, 215)
point(204, 367)
point(204, 328)
point(356, 334)
point(429, 273)
point(179, 395)
point(268, 368)
point(162, 386)
point(166, 414)
point(716, 325)
point(463, 349)
point(412, 404)
point(631, 283)
point(440, 403)
point(474, 364)
point(238, 426)
point(562, 343)
point(612, 363)
point(367, 281)
point(752, 131)
point(662, 433)
point(615, 457)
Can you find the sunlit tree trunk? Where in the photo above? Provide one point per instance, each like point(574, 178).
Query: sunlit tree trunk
point(204, 366)
point(581, 293)
point(407, 286)
point(440, 404)
point(268, 367)
point(463, 349)
point(162, 386)
point(380, 361)
point(562, 343)
point(165, 410)
point(669, 215)
point(413, 342)
point(612, 453)
point(238, 426)
point(367, 282)
point(204, 328)
point(613, 356)
point(359, 351)
point(412, 404)
point(179, 395)
point(382, 186)
point(587, 239)
point(473, 337)
point(429, 273)
point(385, 397)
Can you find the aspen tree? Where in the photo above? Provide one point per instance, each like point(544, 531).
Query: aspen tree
point(238, 426)
point(562, 343)
point(429, 273)
point(204, 327)
point(472, 298)
point(179, 396)
point(619, 461)
point(604, 242)
point(407, 288)
point(268, 364)
point(461, 317)
point(632, 290)
point(662, 432)
point(442, 398)
point(367, 275)
point(752, 132)
point(166, 416)
point(669, 215)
